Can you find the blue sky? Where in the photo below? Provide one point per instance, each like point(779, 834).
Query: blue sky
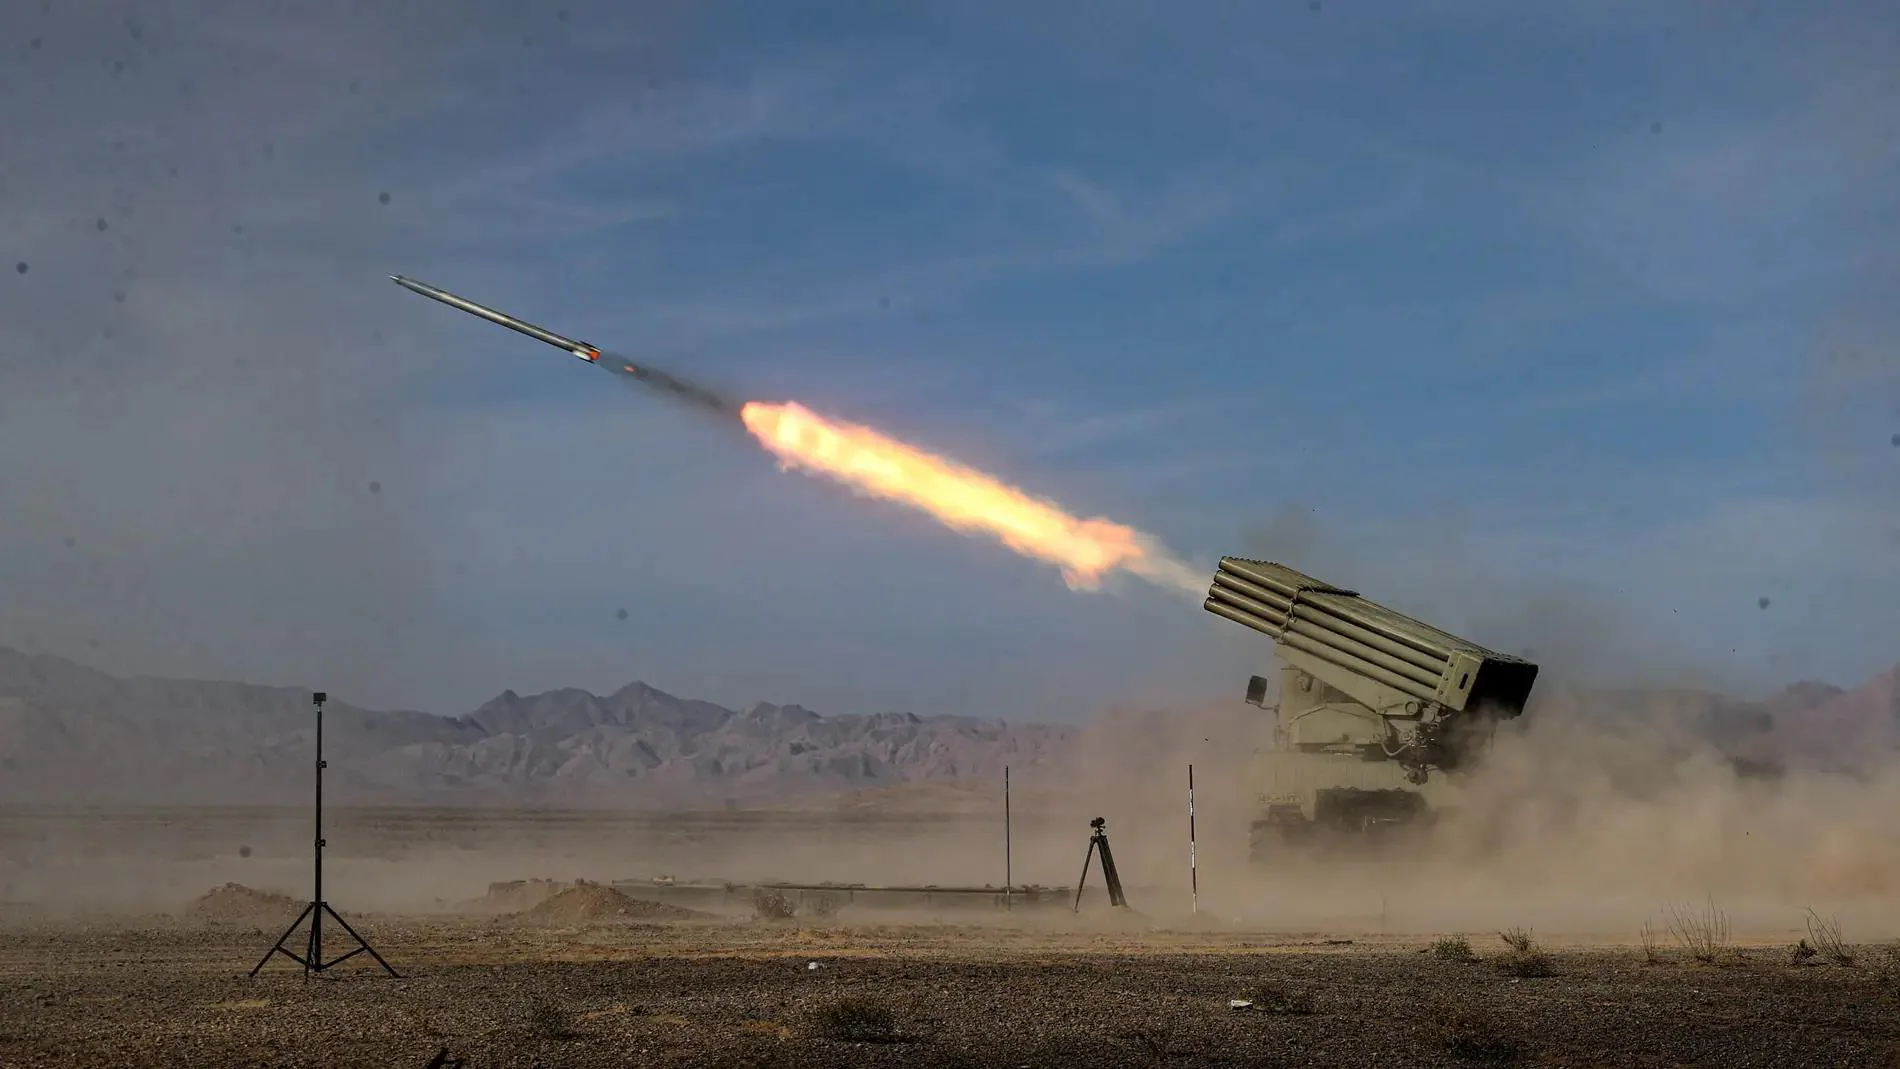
point(1566, 327)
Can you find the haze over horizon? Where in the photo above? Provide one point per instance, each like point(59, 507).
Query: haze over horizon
point(1572, 331)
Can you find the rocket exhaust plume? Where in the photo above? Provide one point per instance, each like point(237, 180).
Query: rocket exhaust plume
point(878, 466)
point(963, 499)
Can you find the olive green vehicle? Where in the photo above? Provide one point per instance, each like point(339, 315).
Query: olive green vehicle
point(1370, 702)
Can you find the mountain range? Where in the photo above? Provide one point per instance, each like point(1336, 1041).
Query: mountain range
point(73, 735)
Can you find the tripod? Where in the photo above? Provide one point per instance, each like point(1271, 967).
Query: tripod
point(1099, 841)
point(312, 958)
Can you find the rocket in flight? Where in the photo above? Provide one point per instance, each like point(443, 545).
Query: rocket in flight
point(679, 388)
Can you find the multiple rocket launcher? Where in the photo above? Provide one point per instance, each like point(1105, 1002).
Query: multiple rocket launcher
point(1361, 680)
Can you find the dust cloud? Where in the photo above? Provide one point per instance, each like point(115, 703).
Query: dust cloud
point(1580, 823)
point(1581, 820)
point(1630, 816)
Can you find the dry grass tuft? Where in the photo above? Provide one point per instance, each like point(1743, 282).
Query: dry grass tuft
point(1525, 958)
point(1650, 954)
point(1828, 941)
point(1453, 948)
point(1703, 933)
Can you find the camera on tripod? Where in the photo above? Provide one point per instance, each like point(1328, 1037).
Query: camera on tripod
point(1098, 844)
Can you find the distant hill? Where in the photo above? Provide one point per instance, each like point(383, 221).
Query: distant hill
point(71, 734)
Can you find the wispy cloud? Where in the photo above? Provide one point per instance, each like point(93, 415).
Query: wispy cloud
point(666, 126)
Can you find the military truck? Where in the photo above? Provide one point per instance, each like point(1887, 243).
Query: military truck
point(1370, 702)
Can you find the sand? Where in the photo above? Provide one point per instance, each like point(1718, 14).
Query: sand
point(745, 993)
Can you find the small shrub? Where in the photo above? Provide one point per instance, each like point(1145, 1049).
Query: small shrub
point(824, 906)
point(1525, 958)
point(856, 1020)
point(1471, 1037)
point(773, 904)
point(1703, 933)
point(1828, 941)
point(1650, 955)
point(549, 1020)
point(1453, 948)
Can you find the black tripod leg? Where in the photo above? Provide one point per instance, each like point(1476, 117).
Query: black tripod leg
point(1113, 878)
point(313, 957)
point(280, 939)
point(362, 942)
point(1086, 858)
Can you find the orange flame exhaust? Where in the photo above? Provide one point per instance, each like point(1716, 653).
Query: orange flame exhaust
point(963, 499)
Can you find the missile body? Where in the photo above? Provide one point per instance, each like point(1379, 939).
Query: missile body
point(579, 348)
point(669, 385)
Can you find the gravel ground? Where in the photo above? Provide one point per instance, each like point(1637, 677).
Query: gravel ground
point(502, 993)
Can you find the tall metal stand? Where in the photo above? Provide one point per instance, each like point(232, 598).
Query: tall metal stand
point(312, 957)
point(1194, 872)
point(1009, 861)
point(1099, 842)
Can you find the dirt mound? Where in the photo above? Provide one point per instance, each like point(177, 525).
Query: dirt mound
point(236, 902)
point(514, 896)
point(595, 902)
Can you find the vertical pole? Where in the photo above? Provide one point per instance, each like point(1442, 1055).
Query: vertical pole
point(1194, 876)
point(1009, 856)
point(316, 914)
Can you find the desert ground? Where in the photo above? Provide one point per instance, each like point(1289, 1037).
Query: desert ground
point(127, 936)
